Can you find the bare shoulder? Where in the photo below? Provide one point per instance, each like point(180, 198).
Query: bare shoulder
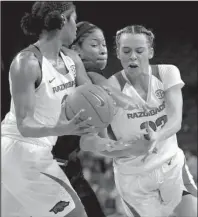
point(25, 64)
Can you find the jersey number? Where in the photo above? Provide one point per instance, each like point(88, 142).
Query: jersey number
point(159, 122)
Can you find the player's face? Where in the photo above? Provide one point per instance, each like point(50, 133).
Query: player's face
point(93, 51)
point(134, 52)
point(69, 30)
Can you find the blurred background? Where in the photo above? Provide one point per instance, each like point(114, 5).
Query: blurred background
point(175, 28)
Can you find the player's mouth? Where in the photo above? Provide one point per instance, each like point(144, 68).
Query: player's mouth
point(133, 66)
point(102, 59)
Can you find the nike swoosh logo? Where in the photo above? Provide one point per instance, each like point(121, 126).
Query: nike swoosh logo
point(50, 81)
point(100, 100)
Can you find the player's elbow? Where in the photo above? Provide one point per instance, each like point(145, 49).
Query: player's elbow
point(22, 130)
point(177, 125)
point(175, 118)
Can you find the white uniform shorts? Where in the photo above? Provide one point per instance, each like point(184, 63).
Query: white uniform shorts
point(33, 184)
point(156, 193)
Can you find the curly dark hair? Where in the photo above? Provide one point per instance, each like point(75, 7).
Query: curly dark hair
point(84, 29)
point(46, 15)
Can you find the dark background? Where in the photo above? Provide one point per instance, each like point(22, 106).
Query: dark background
point(175, 26)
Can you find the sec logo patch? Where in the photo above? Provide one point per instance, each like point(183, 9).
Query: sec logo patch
point(159, 93)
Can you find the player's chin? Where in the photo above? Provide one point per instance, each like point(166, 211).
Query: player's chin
point(133, 69)
point(101, 64)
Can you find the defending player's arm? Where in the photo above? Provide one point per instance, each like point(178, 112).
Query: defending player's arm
point(113, 87)
point(101, 144)
point(174, 105)
point(24, 73)
point(81, 74)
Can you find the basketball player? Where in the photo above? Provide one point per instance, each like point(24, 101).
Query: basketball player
point(147, 160)
point(40, 78)
point(91, 46)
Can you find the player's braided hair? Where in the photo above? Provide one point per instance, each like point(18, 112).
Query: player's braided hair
point(135, 29)
point(46, 15)
point(84, 29)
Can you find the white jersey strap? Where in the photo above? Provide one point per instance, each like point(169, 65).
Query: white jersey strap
point(121, 80)
point(34, 49)
point(37, 53)
point(155, 72)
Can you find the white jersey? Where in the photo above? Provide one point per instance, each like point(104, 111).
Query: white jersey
point(128, 124)
point(49, 94)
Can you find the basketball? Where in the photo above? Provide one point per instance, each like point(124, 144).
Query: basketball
point(95, 101)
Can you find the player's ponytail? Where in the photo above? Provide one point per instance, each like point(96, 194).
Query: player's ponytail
point(46, 15)
point(53, 20)
point(27, 24)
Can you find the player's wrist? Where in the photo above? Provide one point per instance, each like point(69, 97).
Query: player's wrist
point(157, 138)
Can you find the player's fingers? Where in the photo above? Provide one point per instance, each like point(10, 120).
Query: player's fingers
point(77, 118)
point(86, 130)
point(119, 142)
point(62, 112)
point(130, 106)
point(81, 131)
point(107, 89)
point(147, 107)
point(148, 128)
point(84, 123)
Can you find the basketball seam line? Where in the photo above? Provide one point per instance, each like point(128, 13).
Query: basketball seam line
point(94, 109)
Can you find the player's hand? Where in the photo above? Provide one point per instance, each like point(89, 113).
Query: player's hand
point(153, 141)
point(76, 126)
point(151, 133)
point(123, 101)
point(94, 143)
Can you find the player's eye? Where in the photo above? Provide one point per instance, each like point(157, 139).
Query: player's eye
point(94, 45)
point(126, 51)
point(140, 51)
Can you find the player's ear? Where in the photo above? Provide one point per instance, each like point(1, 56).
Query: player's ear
point(151, 53)
point(63, 18)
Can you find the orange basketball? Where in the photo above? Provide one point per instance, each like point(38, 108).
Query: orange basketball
point(96, 103)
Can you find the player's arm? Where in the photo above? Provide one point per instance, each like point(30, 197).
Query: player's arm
point(81, 74)
point(24, 72)
point(105, 146)
point(173, 102)
point(113, 87)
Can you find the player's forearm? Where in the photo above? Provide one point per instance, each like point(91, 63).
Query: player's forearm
point(80, 80)
point(102, 147)
point(121, 99)
point(86, 146)
point(88, 143)
point(172, 126)
point(117, 153)
point(29, 127)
